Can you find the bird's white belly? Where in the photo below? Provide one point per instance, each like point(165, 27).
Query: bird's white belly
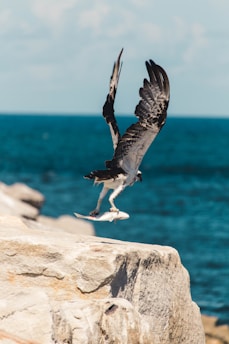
point(114, 183)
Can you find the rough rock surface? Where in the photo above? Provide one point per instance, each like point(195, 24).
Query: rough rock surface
point(21, 200)
point(23, 193)
point(60, 287)
point(215, 334)
point(68, 224)
point(12, 206)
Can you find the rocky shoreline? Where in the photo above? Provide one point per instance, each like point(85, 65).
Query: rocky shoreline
point(20, 200)
point(47, 273)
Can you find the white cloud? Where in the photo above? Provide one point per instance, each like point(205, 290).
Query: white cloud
point(219, 3)
point(55, 42)
point(52, 12)
point(5, 20)
point(152, 32)
point(12, 24)
point(93, 18)
point(121, 23)
point(41, 72)
point(197, 43)
point(139, 3)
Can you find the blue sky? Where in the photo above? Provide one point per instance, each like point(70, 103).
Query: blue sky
point(57, 55)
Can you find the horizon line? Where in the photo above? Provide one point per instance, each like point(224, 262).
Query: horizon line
point(91, 114)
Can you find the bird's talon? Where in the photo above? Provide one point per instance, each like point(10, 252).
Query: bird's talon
point(114, 210)
point(94, 213)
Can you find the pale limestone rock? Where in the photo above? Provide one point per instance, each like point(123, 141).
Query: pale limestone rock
point(13, 206)
point(23, 193)
point(101, 321)
point(20, 200)
point(215, 334)
point(26, 313)
point(93, 290)
point(68, 224)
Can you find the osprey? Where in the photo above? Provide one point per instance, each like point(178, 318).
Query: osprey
point(129, 149)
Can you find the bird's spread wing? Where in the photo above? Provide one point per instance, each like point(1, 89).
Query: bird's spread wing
point(151, 112)
point(108, 108)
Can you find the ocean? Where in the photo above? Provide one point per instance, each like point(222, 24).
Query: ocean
point(183, 200)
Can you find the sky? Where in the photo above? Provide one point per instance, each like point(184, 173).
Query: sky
point(56, 56)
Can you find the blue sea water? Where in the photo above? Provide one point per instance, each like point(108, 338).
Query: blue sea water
point(182, 202)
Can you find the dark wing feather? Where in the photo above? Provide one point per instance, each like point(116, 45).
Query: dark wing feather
point(151, 111)
point(108, 108)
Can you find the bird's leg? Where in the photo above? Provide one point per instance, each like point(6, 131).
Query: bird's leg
point(112, 197)
point(99, 202)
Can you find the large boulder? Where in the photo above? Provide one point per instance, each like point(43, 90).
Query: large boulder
point(13, 206)
point(20, 200)
point(67, 223)
point(58, 287)
point(215, 334)
point(23, 193)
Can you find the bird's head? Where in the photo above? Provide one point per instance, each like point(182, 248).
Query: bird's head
point(139, 176)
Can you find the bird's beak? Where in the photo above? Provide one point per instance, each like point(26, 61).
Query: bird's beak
point(139, 177)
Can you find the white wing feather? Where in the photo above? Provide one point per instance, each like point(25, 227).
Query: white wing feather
point(108, 108)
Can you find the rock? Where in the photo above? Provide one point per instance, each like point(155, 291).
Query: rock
point(12, 206)
point(101, 321)
point(60, 287)
point(215, 334)
point(23, 193)
point(20, 200)
point(17, 313)
point(79, 321)
point(68, 224)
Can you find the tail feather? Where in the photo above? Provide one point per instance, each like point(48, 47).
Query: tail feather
point(100, 175)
